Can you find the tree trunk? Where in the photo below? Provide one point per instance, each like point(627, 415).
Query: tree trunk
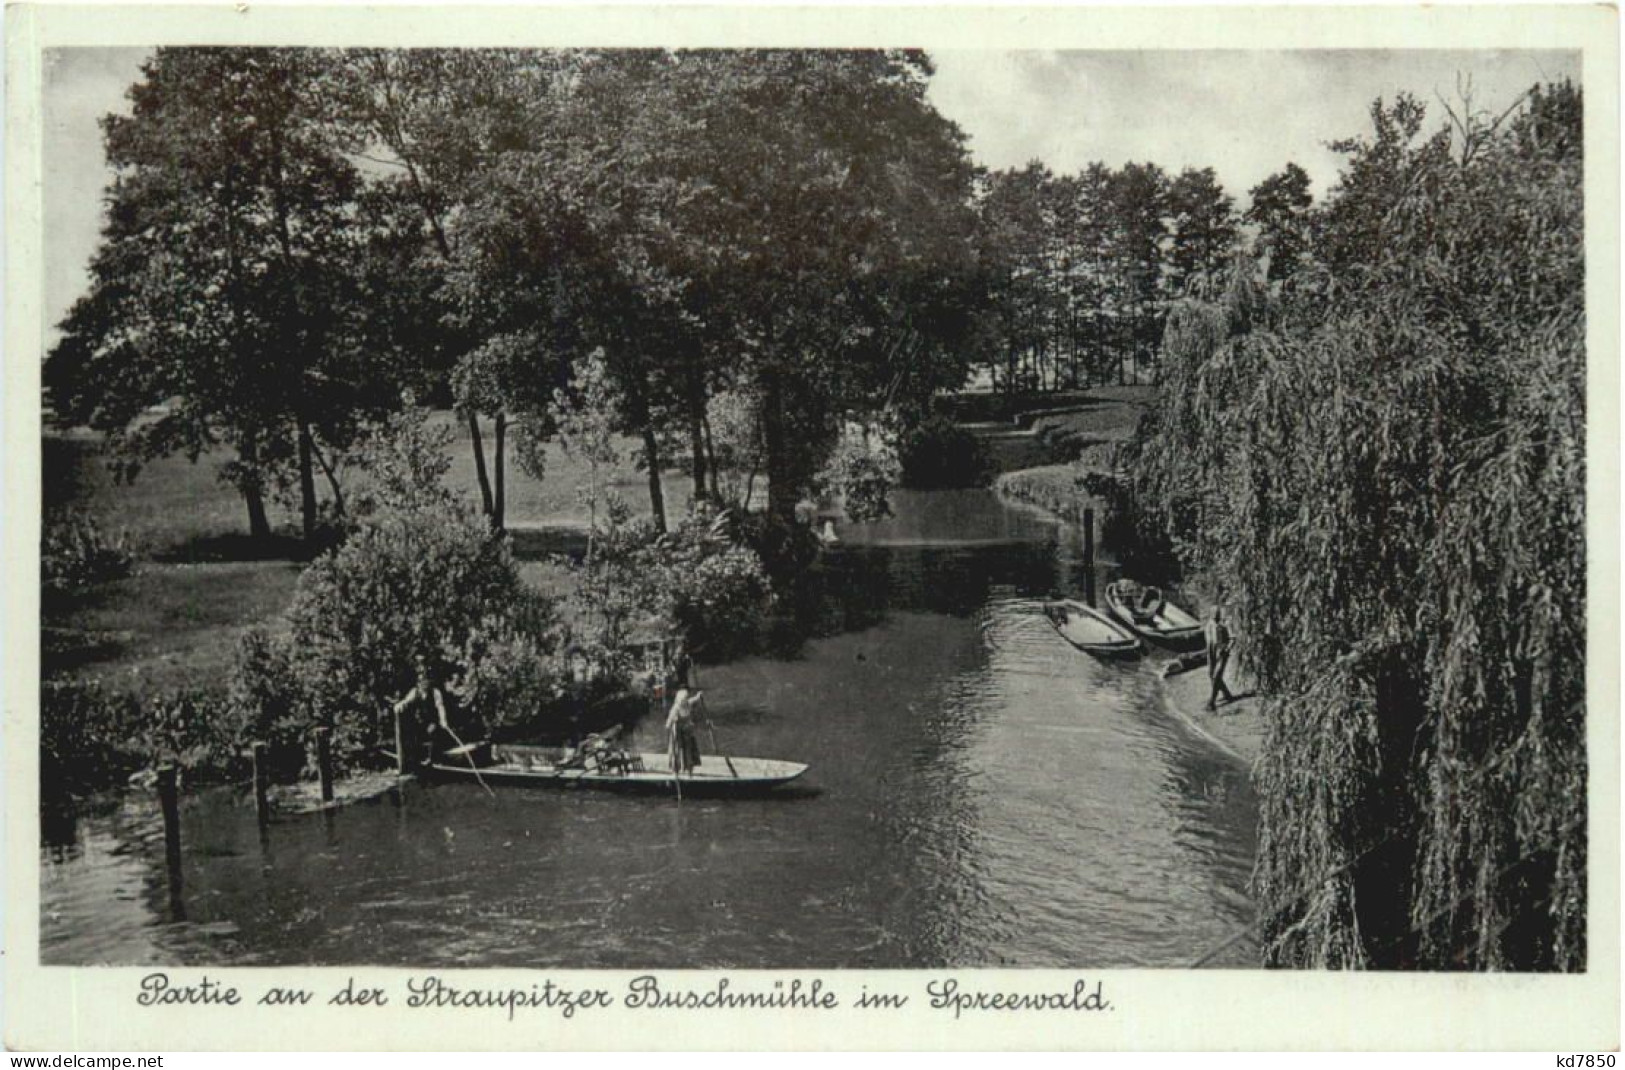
point(487, 505)
point(696, 431)
point(307, 480)
point(499, 500)
point(259, 525)
point(711, 458)
point(657, 493)
point(782, 491)
point(332, 479)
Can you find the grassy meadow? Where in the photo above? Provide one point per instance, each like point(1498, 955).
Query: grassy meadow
point(200, 582)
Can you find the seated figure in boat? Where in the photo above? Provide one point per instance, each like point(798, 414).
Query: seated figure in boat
point(682, 734)
point(1149, 605)
point(601, 751)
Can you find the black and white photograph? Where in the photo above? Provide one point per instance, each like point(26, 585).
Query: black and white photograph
point(815, 508)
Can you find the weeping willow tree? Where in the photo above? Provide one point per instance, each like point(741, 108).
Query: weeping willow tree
point(1380, 468)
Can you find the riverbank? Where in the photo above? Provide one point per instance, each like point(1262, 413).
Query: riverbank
point(1078, 435)
point(1237, 727)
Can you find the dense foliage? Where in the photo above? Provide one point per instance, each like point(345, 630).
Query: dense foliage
point(417, 577)
point(938, 453)
point(699, 581)
point(1377, 460)
point(228, 296)
point(92, 738)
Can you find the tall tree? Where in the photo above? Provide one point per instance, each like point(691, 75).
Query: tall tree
point(1385, 479)
point(838, 223)
point(1281, 210)
point(1202, 227)
point(225, 288)
point(794, 222)
point(437, 123)
point(1139, 217)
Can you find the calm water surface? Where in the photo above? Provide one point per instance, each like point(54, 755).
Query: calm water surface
point(981, 794)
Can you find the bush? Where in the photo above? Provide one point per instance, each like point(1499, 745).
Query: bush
point(514, 672)
point(696, 580)
point(77, 555)
point(714, 592)
point(87, 737)
point(861, 471)
point(92, 738)
point(406, 584)
point(263, 694)
point(939, 454)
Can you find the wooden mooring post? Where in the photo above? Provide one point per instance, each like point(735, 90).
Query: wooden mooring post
point(169, 801)
point(402, 741)
point(262, 782)
point(324, 761)
point(1089, 555)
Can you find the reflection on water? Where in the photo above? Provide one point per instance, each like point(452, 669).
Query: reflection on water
point(980, 794)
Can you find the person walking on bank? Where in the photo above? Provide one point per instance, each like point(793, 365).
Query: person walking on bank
point(682, 736)
point(1218, 657)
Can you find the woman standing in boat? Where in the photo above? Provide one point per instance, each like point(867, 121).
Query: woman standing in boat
point(681, 734)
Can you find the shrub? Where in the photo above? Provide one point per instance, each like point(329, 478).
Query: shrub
point(696, 580)
point(77, 555)
point(406, 584)
point(92, 738)
point(514, 671)
point(714, 592)
point(263, 693)
point(939, 454)
point(87, 737)
point(861, 471)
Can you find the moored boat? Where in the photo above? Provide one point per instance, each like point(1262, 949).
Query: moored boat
point(1092, 631)
point(608, 768)
point(1167, 626)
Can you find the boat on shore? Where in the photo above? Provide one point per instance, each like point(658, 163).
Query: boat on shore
point(607, 768)
point(1169, 626)
point(1092, 631)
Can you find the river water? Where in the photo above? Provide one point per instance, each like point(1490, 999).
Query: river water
point(981, 794)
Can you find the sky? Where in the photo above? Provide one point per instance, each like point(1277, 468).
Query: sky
point(1246, 114)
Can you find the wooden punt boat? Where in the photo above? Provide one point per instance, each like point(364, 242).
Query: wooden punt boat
point(1092, 631)
point(526, 766)
point(1171, 627)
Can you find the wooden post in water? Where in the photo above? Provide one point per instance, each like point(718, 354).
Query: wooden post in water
point(262, 783)
point(400, 743)
point(169, 801)
point(1089, 555)
point(324, 761)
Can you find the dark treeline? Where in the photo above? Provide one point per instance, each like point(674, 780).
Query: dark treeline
point(1376, 459)
point(1081, 268)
